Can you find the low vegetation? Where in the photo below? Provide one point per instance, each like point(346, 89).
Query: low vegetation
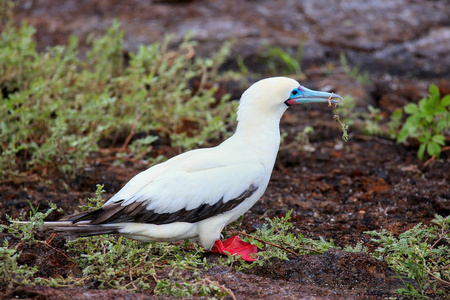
point(280, 61)
point(57, 109)
point(428, 122)
point(421, 257)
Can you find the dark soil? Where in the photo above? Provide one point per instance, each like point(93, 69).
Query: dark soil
point(336, 190)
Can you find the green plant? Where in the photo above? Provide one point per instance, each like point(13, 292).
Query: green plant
point(368, 121)
point(119, 264)
point(347, 109)
point(25, 230)
point(354, 72)
point(371, 121)
point(177, 286)
point(358, 248)
point(428, 121)
point(291, 62)
point(302, 137)
point(10, 271)
point(277, 240)
point(122, 263)
point(421, 254)
point(97, 201)
point(184, 278)
point(56, 109)
point(395, 121)
point(336, 117)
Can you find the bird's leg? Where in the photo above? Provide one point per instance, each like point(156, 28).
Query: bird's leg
point(235, 246)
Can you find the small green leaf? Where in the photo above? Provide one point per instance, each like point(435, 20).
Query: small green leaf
point(422, 139)
point(439, 109)
point(445, 101)
point(426, 135)
point(414, 120)
point(433, 149)
point(421, 151)
point(441, 124)
point(439, 139)
point(411, 108)
point(423, 104)
point(434, 90)
point(402, 135)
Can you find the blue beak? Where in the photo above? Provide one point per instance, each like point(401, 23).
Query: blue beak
point(304, 95)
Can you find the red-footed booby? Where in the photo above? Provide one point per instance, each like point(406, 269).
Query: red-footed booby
point(196, 194)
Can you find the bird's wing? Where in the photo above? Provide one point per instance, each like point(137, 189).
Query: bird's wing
point(181, 195)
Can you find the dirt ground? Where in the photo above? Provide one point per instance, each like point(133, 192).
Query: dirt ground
point(336, 190)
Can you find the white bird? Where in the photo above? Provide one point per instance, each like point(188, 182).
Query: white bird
point(196, 194)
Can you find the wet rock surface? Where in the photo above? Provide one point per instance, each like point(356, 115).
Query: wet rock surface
point(337, 190)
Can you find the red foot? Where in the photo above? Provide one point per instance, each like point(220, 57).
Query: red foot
point(235, 246)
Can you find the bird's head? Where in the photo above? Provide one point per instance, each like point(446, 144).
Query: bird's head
point(274, 95)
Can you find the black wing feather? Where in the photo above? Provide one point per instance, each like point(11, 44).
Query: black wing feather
point(137, 212)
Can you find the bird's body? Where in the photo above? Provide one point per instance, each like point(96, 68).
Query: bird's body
point(204, 181)
point(196, 194)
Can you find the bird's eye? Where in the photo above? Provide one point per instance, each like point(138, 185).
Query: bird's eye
point(294, 92)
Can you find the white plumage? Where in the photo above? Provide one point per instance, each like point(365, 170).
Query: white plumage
point(196, 194)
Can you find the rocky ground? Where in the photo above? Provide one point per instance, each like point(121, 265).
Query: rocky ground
point(337, 190)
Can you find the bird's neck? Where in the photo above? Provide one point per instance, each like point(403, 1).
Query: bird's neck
point(259, 136)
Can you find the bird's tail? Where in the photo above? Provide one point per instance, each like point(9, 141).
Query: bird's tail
point(81, 228)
